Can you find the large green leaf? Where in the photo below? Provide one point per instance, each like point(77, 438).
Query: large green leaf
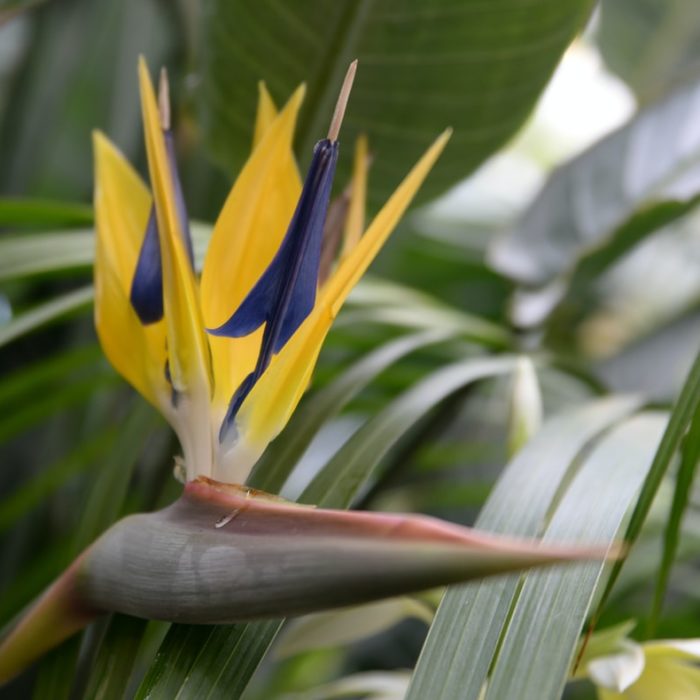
point(470, 618)
point(424, 65)
point(627, 185)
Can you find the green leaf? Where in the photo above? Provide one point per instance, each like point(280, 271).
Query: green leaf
point(21, 501)
point(340, 627)
point(423, 66)
point(650, 44)
point(213, 664)
point(31, 413)
point(272, 470)
point(48, 372)
point(43, 213)
point(690, 458)
point(55, 251)
point(115, 658)
point(350, 468)
point(517, 505)
point(541, 638)
point(34, 253)
point(683, 411)
point(103, 508)
point(602, 202)
point(46, 313)
point(198, 661)
point(81, 70)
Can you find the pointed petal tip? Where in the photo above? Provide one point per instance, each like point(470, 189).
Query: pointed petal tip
point(100, 140)
point(443, 138)
point(298, 95)
point(262, 89)
point(143, 69)
point(100, 145)
point(145, 82)
point(104, 151)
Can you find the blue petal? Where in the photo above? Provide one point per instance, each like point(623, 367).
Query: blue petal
point(147, 285)
point(236, 401)
point(285, 294)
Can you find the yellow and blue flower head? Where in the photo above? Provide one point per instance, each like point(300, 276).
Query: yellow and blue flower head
point(226, 358)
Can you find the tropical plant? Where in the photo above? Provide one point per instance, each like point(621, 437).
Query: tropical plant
point(540, 381)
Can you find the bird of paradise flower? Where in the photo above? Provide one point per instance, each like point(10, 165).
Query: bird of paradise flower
point(230, 389)
point(226, 359)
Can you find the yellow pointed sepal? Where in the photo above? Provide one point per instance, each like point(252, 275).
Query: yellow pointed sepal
point(246, 237)
point(272, 400)
point(265, 115)
point(122, 205)
point(188, 352)
point(355, 222)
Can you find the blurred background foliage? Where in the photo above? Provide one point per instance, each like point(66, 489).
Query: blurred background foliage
point(561, 224)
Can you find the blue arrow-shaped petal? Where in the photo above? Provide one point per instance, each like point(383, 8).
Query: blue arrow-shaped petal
point(285, 294)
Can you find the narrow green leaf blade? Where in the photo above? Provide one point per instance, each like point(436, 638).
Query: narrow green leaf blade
point(352, 465)
point(451, 663)
point(46, 313)
point(272, 470)
point(542, 635)
point(682, 413)
point(43, 213)
point(690, 458)
point(34, 253)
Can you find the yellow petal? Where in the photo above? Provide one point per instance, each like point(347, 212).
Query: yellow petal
point(605, 694)
point(246, 237)
point(188, 351)
point(666, 679)
point(354, 265)
point(122, 205)
point(355, 223)
point(276, 394)
point(267, 111)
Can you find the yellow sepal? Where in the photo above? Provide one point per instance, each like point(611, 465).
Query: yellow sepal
point(274, 397)
point(122, 205)
point(355, 222)
point(266, 114)
point(246, 237)
point(188, 351)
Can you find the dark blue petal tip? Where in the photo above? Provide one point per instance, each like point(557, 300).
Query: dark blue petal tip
point(147, 285)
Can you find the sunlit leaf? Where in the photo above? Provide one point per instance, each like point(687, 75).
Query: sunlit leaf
point(621, 189)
